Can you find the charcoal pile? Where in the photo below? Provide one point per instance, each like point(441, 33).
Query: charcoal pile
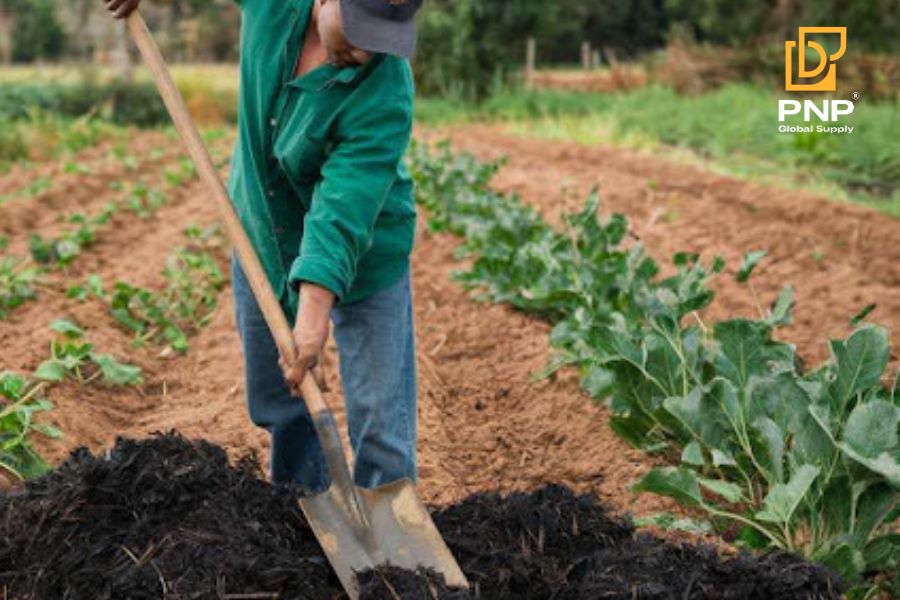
point(168, 518)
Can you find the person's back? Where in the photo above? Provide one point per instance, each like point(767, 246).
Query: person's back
point(322, 150)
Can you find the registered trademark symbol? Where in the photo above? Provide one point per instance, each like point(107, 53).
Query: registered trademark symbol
point(855, 96)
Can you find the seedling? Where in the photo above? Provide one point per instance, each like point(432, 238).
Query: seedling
point(73, 358)
point(144, 201)
point(184, 172)
point(20, 399)
point(74, 167)
point(16, 284)
point(92, 287)
point(63, 250)
point(189, 300)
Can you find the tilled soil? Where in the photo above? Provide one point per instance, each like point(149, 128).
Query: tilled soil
point(485, 425)
point(838, 256)
point(166, 517)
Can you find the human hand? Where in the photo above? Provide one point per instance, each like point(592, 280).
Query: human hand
point(121, 8)
point(310, 335)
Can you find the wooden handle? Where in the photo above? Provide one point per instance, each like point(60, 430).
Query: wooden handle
point(259, 283)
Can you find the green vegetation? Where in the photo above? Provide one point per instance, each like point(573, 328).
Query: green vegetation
point(800, 460)
point(736, 126)
point(144, 201)
point(91, 288)
point(472, 49)
point(115, 101)
point(17, 281)
point(193, 283)
point(63, 250)
point(45, 135)
point(20, 399)
point(71, 357)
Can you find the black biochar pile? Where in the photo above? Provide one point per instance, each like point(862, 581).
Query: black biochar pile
point(166, 518)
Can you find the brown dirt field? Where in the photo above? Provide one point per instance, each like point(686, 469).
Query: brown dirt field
point(839, 257)
point(484, 425)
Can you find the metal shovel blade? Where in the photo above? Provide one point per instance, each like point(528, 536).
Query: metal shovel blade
point(400, 533)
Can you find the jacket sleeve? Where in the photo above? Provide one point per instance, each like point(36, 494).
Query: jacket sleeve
point(355, 181)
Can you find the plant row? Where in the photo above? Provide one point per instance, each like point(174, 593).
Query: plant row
point(19, 276)
point(71, 357)
point(778, 455)
point(187, 302)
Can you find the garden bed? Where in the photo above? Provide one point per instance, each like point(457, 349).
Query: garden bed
point(165, 517)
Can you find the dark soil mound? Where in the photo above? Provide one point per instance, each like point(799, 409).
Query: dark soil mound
point(551, 544)
point(167, 518)
point(156, 518)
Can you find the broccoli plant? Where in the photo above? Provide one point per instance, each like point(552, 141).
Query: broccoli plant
point(803, 461)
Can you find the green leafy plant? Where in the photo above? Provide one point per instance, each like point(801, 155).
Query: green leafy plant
point(20, 399)
point(145, 201)
point(92, 287)
point(193, 282)
point(72, 357)
point(75, 167)
point(66, 248)
point(17, 281)
point(34, 189)
point(178, 175)
point(803, 461)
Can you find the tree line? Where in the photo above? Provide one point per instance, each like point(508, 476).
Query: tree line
point(464, 43)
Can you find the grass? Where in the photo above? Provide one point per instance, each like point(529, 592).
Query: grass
point(733, 128)
point(222, 77)
point(46, 136)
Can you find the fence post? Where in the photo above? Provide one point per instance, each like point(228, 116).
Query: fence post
point(595, 59)
point(585, 55)
point(530, 59)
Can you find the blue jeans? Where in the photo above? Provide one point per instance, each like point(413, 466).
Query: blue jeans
point(376, 346)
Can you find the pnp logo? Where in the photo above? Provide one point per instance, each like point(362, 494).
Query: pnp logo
point(826, 64)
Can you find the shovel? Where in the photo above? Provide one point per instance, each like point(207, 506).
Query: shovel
point(358, 529)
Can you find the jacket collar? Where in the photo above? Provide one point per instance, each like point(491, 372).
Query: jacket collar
point(327, 75)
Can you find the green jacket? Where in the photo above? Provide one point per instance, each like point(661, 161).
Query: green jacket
point(317, 175)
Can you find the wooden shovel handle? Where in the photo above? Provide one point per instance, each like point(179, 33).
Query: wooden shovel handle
point(259, 283)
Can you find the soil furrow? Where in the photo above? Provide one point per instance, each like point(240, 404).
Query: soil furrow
point(839, 257)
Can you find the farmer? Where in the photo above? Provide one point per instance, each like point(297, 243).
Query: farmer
point(318, 181)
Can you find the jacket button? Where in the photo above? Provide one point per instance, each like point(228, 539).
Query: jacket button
point(273, 122)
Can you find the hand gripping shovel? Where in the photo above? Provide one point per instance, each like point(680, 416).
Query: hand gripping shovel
point(358, 529)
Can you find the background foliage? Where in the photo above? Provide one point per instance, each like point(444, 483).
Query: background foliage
point(466, 45)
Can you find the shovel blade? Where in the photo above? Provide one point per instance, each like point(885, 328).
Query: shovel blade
point(401, 534)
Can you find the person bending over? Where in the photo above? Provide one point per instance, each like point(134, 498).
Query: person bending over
point(318, 181)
